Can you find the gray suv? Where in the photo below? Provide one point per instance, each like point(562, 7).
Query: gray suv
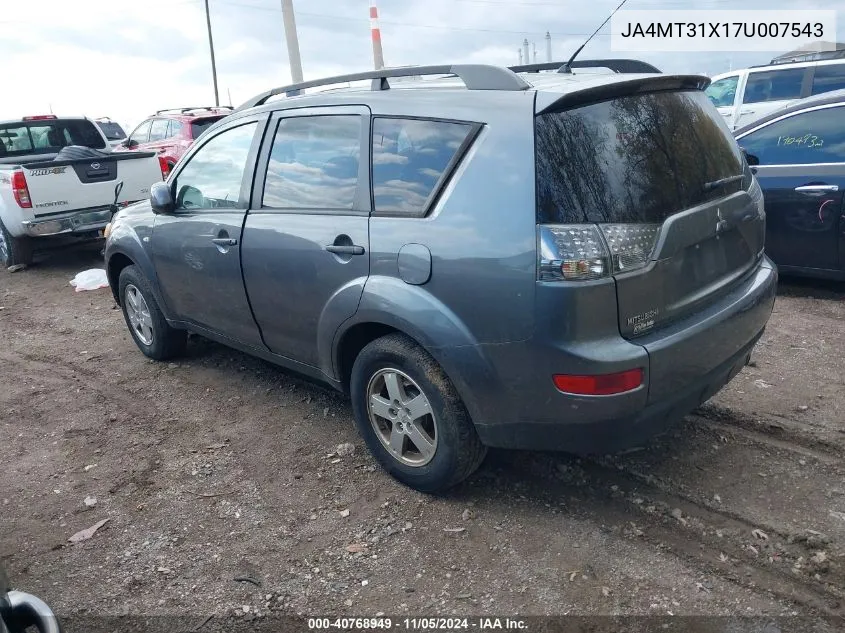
point(488, 257)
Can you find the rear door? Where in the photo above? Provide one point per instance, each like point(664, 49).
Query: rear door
point(197, 248)
point(768, 90)
point(306, 238)
point(652, 189)
point(802, 173)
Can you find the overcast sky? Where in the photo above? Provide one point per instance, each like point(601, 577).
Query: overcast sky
point(128, 58)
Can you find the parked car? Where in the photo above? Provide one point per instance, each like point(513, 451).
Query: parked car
point(550, 261)
point(112, 131)
point(798, 154)
point(743, 96)
point(171, 132)
point(57, 177)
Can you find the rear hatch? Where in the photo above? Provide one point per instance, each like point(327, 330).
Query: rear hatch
point(651, 189)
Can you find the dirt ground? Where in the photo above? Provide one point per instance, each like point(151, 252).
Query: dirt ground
point(224, 492)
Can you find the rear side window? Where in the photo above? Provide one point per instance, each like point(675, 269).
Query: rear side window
point(410, 160)
point(45, 137)
point(112, 130)
point(158, 130)
point(828, 78)
point(175, 128)
point(723, 92)
point(201, 125)
point(633, 159)
point(314, 163)
point(773, 85)
point(808, 138)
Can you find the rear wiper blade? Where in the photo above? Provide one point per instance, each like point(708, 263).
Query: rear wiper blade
point(710, 186)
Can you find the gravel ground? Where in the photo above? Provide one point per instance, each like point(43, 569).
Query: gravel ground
point(225, 490)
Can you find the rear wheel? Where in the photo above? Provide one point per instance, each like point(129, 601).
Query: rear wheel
point(411, 416)
point(150, 330)
point(14, 250)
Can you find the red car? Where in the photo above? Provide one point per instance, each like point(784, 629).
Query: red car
point(171, 132)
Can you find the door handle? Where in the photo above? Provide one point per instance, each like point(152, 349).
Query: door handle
point(817, 190)
point(345, 249)
point(225, 241)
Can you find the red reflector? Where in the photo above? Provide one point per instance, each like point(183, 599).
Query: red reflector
point(603, 385)
point(40, 117)
point(20, 191)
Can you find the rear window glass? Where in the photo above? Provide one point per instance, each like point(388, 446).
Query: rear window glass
point(634, 159)
point(112, 130)
point(409, 159)
point(828, 78)
point(773, 85)
point(201, 125)
point(47, 137)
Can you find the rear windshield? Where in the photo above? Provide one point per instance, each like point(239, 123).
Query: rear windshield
point(47, 137)
point(201, 125)
point(112, 130)
point(639, 158)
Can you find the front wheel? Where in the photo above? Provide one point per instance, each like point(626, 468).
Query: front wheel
point(150, 330)
point(14, 251)
point(411, 416)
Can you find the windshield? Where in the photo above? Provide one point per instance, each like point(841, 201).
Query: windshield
point(633, 159)
point(201, 125)
point(112, 130)
point(47, 137)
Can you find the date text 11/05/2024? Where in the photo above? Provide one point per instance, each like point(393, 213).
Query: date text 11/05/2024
point(722, 29)
point(419, 624)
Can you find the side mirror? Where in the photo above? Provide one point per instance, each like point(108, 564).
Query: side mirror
point(751, 159)
point(161, 198)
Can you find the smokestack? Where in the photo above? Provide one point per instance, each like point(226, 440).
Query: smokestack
point(525, 51)
point(534, 51)
point(548, 46)
point(519, 50)
point(375, 31)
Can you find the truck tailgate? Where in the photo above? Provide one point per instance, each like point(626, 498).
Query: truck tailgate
point(67, 185)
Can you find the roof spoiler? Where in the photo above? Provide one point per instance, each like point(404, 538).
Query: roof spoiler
point(627, 66)
point(551, 102)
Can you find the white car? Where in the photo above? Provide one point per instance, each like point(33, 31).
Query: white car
point(58, 176)
point(743, 96)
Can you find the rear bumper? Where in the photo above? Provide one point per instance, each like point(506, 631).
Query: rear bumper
point(75, 222)
point(686, 366)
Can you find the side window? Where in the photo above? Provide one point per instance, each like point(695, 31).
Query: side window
point(773, 85)
point(811, 137)
point(213, 176)
point(828, 78)
point(314, 163)
point(409, 160)
point(723, 92)
point(158, 130)
point(175, 129)
point(141, 132)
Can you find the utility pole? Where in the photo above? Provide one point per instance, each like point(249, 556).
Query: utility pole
point(375, 32)
point(292, 41)
point(211, 48)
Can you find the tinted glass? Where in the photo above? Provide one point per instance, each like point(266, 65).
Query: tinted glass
point(44, 137)
point(158, 131)
point(141, 132)
point(213, 176)
point(723, 92)
point(773, 85)
point(828, 78)
point(201, 125)
point(314, 163)
point(112, 130)
point(409, 159)
point(634, 159)
point(811, 137)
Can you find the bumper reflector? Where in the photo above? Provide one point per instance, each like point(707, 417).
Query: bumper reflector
point(602, 385)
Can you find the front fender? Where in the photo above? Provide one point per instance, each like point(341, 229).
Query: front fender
point(417, 313)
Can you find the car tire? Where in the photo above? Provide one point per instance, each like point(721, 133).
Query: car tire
point(14, 251)
point(150, 330)
point(389, 377)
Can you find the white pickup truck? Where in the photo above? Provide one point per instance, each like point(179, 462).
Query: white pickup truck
point(59, 177)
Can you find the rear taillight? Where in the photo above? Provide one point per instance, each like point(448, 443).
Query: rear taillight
point(20, 190)
point(165, 168)
point(601, 385)
point(578, 252)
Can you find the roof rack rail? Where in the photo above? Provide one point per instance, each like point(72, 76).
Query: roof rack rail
point(183, 110)
point(616, 65)
point(474, 76)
